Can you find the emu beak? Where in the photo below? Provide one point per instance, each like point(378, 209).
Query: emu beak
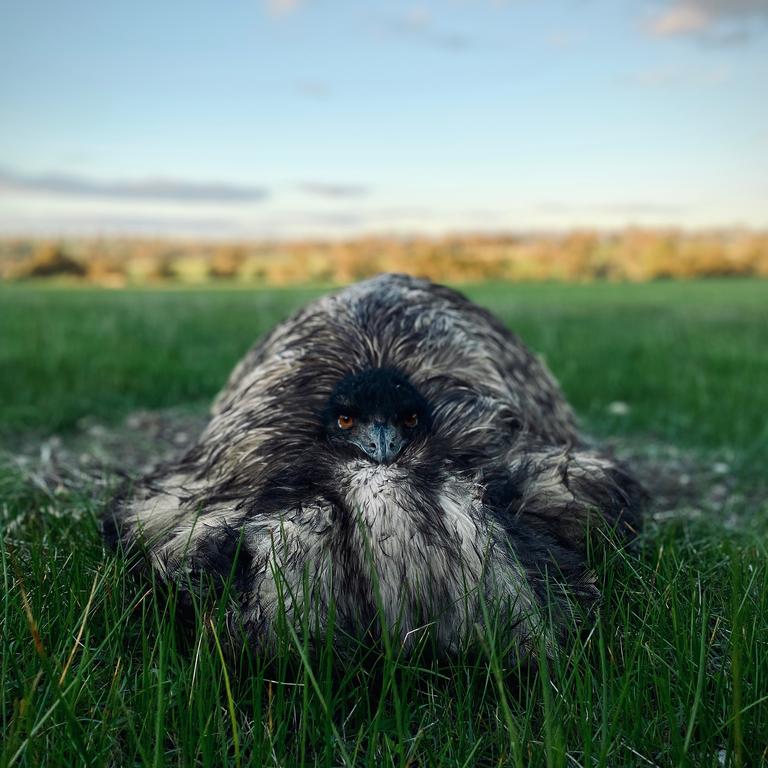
point(382, 442)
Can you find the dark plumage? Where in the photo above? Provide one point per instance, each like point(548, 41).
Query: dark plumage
point(392, 446)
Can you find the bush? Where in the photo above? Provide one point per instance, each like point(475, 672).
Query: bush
point(50, 260)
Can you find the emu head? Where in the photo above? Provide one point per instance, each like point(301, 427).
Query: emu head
point(375, 414)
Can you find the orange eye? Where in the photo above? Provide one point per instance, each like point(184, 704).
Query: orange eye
point(346, 422)
point(411, 421)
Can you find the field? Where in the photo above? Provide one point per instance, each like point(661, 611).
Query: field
point(674, 672)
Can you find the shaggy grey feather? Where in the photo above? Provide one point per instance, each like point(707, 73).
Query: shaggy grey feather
point(482, 495)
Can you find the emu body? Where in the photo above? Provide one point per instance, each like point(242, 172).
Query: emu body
point(394, 450)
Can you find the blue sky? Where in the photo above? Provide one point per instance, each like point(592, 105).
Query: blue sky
point(294, 118)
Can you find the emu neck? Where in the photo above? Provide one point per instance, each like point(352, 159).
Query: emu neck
point(418, 550)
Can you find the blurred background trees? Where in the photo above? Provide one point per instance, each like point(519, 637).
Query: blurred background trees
point(632, 255)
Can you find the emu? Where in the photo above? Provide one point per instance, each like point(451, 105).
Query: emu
point(393, 450)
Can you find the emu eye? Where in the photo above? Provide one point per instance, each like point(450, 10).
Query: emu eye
point(411, 421)
point(345, 422)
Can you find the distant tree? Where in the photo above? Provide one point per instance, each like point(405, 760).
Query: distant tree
point(227, 261)
point(51, 260)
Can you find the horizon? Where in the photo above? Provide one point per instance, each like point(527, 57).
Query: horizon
point(288, 239)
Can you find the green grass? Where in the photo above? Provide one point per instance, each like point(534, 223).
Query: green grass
point(691, 359)
point(674, 672)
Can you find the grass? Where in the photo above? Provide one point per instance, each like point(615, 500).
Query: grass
point(674, 671)
point(688, 357)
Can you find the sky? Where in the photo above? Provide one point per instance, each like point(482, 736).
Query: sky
point(304, 118)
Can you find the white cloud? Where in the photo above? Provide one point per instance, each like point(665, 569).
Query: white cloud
point(701, 17)
point(333, 190)
point(680, 20)
point(282, 7)
point(417, 18)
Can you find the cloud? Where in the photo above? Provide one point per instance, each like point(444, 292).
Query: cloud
point(416, 18)
point(153, 189)
point(640, 208)
point(718, 20)
point(678, 78)
point(323, 189)
point(624, 208)
point(680, 20)
point(281, 7)
point(314, 89)
point(562, 39)
point(418, 24)
point(108, 224)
